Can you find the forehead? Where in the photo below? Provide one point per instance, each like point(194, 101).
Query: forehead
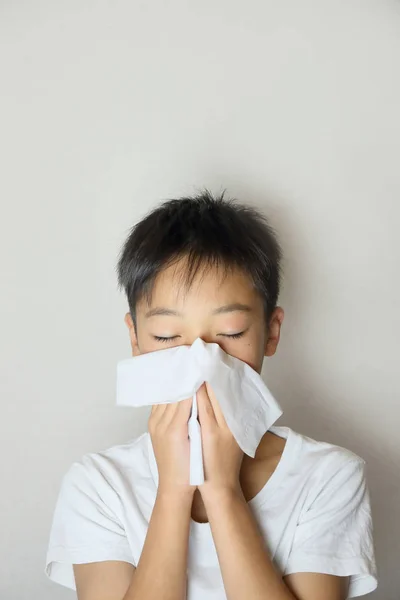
point(209, 285)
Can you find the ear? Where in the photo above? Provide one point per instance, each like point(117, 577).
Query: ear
point(132, 334)
point(274, 331)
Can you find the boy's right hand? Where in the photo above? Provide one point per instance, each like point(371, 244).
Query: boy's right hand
point(168, 428)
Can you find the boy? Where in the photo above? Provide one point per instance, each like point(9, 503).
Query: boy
point(291, 523)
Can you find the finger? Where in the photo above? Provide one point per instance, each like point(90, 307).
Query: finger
point(158, 409)
point(156, 412)
point(185, 407)
point(170, 410)
point(206, 411)
point(219, 415)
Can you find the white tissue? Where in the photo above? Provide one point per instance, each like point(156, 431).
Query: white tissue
point(175, 374)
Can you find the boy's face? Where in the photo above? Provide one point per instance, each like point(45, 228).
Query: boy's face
point(213, 308)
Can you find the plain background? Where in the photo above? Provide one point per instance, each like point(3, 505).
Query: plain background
point(108, 108)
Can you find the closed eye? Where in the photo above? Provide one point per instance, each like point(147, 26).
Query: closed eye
point(165, 339)
point(233, 336)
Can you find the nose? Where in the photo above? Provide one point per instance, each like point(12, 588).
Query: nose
point(208, 339)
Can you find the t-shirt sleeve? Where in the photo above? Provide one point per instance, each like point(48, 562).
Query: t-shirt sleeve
point(334, 534)
point(84, 528)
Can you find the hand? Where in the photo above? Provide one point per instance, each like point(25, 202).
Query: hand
point(222, 455)
point(168, 428)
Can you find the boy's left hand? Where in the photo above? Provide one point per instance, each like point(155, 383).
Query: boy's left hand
point(222, 455)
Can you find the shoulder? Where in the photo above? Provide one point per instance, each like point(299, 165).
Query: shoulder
point(315, 452)
point(318, 462)
point(106, 469)
point(95, 493)
point(89, 521)
point(333, 530)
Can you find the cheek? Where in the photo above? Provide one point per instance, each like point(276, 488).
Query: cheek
point(253, 359)
point(250, 352)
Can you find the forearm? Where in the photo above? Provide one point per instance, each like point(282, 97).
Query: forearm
point(247, 570)
point(161, 570)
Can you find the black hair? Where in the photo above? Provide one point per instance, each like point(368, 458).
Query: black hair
point(210, 231)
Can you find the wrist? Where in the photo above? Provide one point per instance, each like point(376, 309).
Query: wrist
point(220, 494)
point(177, 496)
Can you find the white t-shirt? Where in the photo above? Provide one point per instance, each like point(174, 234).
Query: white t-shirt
point(314, 513)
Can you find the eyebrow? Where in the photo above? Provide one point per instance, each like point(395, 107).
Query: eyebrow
point(236, 306)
